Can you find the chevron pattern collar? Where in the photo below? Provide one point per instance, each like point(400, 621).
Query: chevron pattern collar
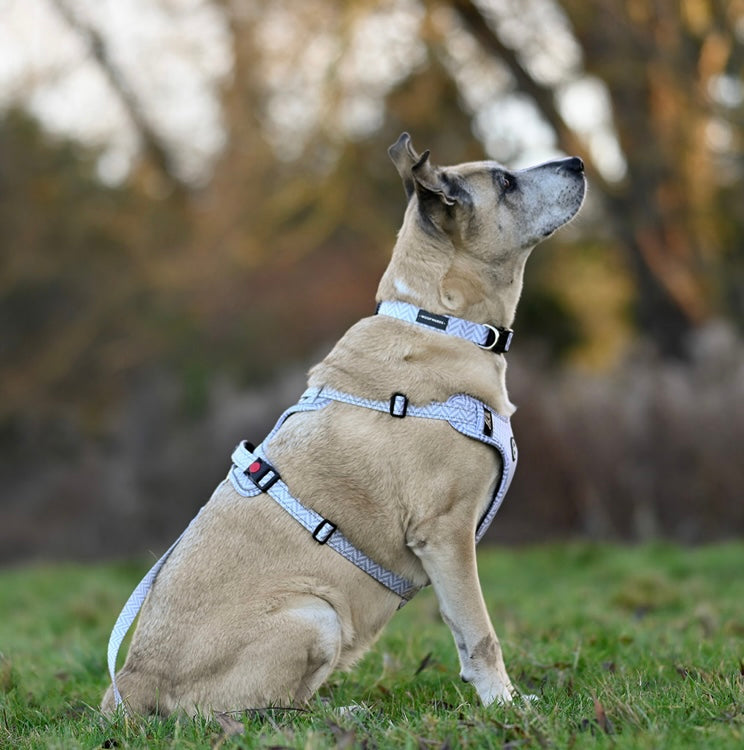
point(491, 338)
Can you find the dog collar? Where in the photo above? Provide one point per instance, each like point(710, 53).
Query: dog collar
point(492, 338)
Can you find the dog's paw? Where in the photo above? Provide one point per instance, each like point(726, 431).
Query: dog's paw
point(508, 695)
point(502, 696)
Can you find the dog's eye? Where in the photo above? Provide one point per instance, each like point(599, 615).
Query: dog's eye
point(508, 182)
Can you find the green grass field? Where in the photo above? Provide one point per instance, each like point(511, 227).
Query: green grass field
point(625, 647)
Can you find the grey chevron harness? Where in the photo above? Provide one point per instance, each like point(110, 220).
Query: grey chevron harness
point(252, 474)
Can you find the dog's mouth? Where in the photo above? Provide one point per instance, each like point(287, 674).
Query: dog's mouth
point(555, 226)
point(578, 200)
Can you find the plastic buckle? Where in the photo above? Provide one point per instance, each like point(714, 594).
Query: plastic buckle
point(323, 531)
point(499, 339)
point(262, 474)
point(398, 405)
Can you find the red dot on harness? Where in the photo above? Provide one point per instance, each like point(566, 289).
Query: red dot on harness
point(254, 467)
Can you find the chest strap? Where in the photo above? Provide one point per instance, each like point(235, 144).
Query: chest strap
point(466, 414)
point(252, 474)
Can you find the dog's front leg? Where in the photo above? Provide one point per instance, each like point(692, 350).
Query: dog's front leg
point(451, 566)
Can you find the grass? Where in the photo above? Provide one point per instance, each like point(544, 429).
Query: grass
point(626, 647)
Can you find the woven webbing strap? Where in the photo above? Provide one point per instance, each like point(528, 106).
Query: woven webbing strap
point(323, 530)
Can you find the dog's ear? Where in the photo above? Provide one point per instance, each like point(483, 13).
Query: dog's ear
point(418, 174)
point(429, 183)
point(404, 156)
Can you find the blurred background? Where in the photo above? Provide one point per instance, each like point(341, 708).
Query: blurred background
point(196, 202)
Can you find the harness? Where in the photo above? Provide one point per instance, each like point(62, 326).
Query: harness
point(252, 473)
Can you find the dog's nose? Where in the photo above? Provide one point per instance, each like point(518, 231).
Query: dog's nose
point(572, 164)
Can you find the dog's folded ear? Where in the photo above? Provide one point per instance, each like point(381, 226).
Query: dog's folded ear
point(429, 184)
point(404, 156)
point(417, 173)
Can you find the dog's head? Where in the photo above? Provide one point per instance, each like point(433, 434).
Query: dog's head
point(484, 217)
point(516, 209)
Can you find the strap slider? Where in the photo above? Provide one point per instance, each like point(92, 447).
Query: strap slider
point(323, 531)
point(498, 339)
point(398, 405)
point(262, 474)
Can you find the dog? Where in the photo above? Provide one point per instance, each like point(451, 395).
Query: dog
point(250, 609)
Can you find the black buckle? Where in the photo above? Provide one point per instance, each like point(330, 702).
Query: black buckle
point(398, 405)
point(498, 340)
point(323, 534)
point(262, 474)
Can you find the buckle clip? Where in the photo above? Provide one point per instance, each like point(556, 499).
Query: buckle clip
point(262, 474)
point(398, 405)
point(498, 340)
point(324, 531)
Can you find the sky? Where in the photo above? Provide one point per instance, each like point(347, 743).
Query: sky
point(173, 53)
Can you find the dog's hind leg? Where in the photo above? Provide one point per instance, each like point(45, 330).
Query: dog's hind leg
point(291, 652)
point(324, 649)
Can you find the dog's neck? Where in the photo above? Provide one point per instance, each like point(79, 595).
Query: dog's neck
point(432, 273)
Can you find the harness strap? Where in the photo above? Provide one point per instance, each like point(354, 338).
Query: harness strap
point(468, 415)
point(249, 477)
point(463, 412)
point(131, 609)
point(492, 338)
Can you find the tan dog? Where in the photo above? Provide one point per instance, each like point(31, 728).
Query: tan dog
point(250, 610)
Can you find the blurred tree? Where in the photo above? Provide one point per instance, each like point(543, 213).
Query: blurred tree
point(78, 267)
point(302, 191)
point(662, 63)
point(102, 289)
point(154, 151)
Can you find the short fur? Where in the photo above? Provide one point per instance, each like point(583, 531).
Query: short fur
point(249, 610)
